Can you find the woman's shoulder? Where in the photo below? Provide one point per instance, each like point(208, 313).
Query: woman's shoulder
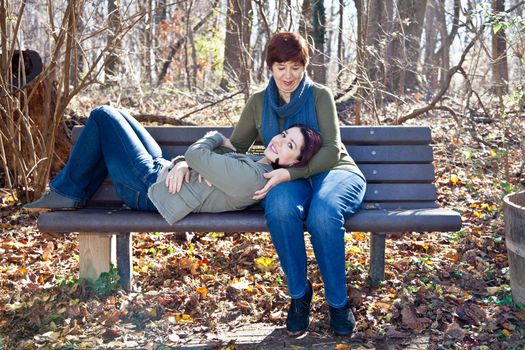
point(322, 91)
point(256, 98)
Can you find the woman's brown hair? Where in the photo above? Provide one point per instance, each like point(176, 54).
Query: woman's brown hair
point(287, 46)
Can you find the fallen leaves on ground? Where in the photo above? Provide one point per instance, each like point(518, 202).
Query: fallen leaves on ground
point(452, 287)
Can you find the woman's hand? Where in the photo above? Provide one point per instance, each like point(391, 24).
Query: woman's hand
point(179, 174)
point(226, 142)
point(274, 177)
point(176, 176)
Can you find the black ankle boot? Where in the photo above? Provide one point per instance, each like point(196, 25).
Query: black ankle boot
point(298, 318)
point(342, 320)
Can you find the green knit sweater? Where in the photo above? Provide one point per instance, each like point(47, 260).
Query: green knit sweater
point(332, 155)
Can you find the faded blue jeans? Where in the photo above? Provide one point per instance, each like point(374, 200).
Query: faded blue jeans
point(324, 201)
point(112, 142)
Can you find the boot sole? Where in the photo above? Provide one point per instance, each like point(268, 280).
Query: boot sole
point(45, 210)
point(298, 333)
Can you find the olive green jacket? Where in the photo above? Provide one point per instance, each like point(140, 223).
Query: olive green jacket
point(235, 177)
point(332, 155)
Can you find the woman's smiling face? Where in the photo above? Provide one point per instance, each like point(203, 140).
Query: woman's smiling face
point(285, 148)
point(287, 76)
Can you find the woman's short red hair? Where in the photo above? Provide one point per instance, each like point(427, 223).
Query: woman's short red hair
point(287, 46)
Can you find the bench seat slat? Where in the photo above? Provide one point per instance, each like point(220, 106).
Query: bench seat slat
point(100, 220)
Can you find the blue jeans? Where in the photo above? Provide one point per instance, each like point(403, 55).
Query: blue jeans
point(324, 201)
point(112, 142)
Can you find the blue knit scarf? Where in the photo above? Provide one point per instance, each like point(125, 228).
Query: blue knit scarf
point(300, 109)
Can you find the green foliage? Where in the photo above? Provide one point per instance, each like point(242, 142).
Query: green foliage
point(455, 236)
point(501, 21)
point(107, 282)
point(68, 281)
point(278, 280)
point(209, 49)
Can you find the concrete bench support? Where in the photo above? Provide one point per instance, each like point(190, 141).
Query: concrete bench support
point(124, 260)
point(377, 256)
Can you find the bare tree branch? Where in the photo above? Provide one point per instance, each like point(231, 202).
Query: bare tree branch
point(211, 104)
point(444, 87)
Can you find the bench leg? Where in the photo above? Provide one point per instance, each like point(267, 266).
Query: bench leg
point(97, 252)
point(377, 256)
point(124, 260)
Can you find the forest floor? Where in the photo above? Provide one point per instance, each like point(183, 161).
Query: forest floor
point(226, 291)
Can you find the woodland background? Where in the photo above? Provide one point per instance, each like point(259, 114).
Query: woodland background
point(456, 65)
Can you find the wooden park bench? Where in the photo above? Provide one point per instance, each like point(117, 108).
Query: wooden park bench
point(400, 197)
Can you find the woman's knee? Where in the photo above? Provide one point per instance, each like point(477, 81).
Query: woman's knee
point(324, 218)
point(286, 204)
point(103, 113)
point(283, 209)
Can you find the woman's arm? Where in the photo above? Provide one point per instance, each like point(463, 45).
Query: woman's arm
point(328, 122)
point(227, 173)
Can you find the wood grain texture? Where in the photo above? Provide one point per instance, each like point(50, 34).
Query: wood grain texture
point(97, 252)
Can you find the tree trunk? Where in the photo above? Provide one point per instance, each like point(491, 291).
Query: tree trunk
point(319, 38)
point(375, 38)
point(161, 12)
point(78, 63)
point(340, 52)
point(189, 79)
point(236, 46)
point(114, 18)
point(361, 42)
point(313, 28)
point(284, 14)
point(430, 66)
point(265, 32)
point(406, 45)
point(500, 68)
point(444, 58)
point(148, 48)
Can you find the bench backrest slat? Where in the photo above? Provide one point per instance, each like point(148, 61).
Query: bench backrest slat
point(392, 192)
point(361, 154)
point(367, 135)
point(397, 172)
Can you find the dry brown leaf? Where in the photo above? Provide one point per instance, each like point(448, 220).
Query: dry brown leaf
point(454, 331)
